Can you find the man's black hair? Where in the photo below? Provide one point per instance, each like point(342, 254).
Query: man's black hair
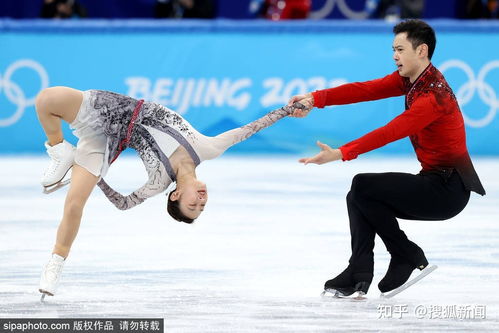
point(418, 32)
point(173, 208)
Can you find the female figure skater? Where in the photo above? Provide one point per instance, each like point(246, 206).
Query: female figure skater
point(106, 123)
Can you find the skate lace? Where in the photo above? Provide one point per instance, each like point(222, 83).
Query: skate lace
point(53, 269)
point(55, 162)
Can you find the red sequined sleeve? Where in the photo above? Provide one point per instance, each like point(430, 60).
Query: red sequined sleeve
point(388, 86)
point(422, 112)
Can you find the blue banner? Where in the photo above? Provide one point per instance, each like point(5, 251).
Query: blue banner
point(220, 75)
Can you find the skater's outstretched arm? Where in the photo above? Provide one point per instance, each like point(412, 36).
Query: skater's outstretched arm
point(388, 86)
point(234, 136)
point(158, 182)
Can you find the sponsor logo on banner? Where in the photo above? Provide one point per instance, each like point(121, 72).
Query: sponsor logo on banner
point(15, 92)
point(475, 84)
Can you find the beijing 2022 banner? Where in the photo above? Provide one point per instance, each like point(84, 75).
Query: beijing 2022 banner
point(223, 78)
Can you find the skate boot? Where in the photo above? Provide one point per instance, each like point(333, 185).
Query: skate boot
point(51, 275)
point(399, 272)
point(61, 160)
point(348, 283)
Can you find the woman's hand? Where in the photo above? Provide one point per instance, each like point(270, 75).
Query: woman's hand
point(307, 100)
point(327, 154)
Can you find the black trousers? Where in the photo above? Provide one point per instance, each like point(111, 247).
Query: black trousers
point(376, 200)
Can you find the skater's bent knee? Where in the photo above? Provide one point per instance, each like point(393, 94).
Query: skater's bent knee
point(349, 197)
point(360, 185)
point(46, 99)
point(56, 100)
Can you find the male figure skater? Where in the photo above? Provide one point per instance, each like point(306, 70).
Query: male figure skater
point(434, 123)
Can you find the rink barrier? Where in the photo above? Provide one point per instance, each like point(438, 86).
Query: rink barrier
point(233, 26)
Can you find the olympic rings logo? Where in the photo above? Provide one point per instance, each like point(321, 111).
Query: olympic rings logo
point(466, 92)
point(345, 10)
point(15, 94)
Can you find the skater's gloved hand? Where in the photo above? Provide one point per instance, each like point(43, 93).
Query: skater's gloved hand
point(327, 154)
point(306, 100)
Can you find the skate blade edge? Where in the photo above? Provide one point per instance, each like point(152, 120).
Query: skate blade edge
point(47, 189)
point(52, 188)
point(426, 271)
point(44, 292)
point(333, 293)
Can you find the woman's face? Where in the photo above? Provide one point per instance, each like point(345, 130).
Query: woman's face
point(192, 199)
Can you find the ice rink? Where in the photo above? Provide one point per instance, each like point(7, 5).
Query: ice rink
point(255, 261)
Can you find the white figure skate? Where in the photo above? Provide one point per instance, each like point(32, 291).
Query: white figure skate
point(51, 275)
point(61, 160)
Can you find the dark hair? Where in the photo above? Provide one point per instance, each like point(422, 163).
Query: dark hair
point(173, 208)
point(418, 32)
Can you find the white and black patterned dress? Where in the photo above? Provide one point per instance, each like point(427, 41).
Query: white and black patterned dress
point(157, 132)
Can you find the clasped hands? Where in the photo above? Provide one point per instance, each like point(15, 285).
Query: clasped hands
point(327, 154)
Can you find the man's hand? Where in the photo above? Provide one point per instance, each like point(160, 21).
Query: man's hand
point(306, 100)
point(327, 154)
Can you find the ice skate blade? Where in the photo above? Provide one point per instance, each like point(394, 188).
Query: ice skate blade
point(52, 188)
point(44, 293)
point(333, 293)
point(422, 274)
point(57, 185)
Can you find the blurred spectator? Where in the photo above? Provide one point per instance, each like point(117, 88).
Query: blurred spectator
point(476, 9)
point(185, 9)
point(399, 9)
point(493, 7)
point(276, 10)
point(62, 9)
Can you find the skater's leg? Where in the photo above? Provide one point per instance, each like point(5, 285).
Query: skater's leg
point(359, 273)
point(82, 184)
point(54, 104)
point(362, 238)
point(384, 197)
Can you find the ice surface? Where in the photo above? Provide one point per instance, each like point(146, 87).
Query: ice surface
point(272, 233)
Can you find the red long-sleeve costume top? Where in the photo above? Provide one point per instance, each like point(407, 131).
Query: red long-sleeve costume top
point(432, 119)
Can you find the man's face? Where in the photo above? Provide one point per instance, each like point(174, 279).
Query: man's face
point(407, 59)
